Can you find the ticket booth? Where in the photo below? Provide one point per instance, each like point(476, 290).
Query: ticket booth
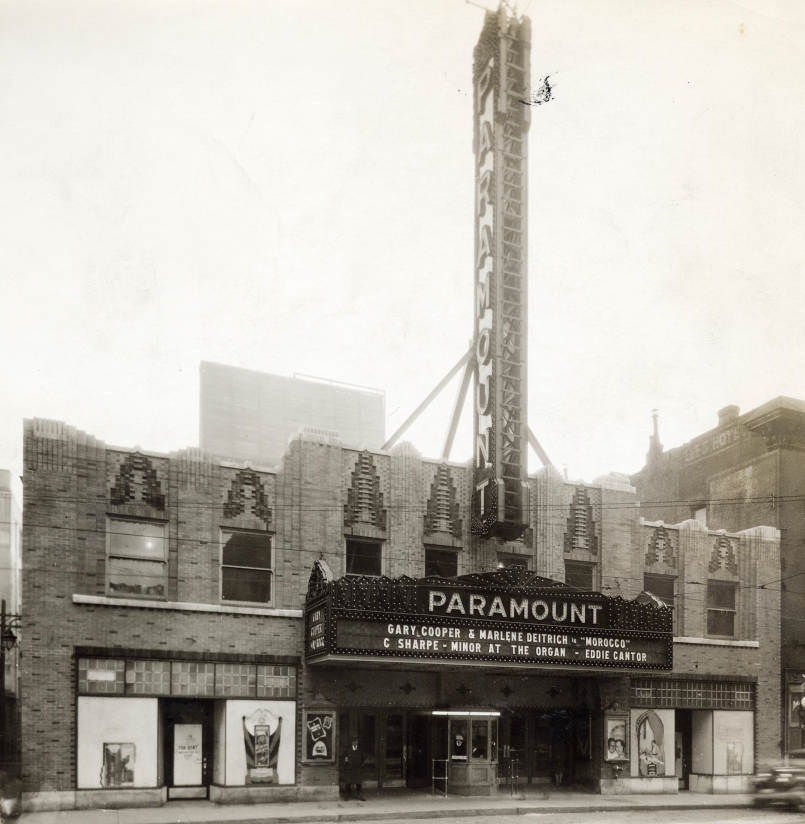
point(472, 751)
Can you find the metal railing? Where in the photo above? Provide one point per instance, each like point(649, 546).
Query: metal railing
point(439, 772)
point(509, 772)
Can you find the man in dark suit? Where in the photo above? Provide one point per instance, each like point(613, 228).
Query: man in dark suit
point(351, 763)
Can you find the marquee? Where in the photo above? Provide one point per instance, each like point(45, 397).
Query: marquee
point(509, 617)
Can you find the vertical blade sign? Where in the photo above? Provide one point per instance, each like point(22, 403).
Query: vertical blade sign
point(501, 74)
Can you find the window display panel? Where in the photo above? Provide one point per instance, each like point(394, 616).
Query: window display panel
point(117, 742)
point(652, 743)
point(260, 742)
point(733, 742)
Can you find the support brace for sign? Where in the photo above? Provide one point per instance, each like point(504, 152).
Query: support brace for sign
point(461, 396)
point(537, 447)
point(434, 392)
point(457, 407)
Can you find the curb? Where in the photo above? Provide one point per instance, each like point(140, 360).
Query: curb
point(466, 812)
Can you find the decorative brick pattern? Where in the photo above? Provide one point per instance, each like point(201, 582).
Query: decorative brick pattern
point(364, 498)
point(247, 494)
point(137, 481)
point(660, 548)
point(442, 510)
point(723, 556)
point(581, 533)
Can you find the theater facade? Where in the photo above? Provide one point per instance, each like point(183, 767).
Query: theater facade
point(197, 628)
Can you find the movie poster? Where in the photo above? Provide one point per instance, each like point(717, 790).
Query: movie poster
point(319, 732)
point(118, 765)
point(651, 745)
point(616, 740)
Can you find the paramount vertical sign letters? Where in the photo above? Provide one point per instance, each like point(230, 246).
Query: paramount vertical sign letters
point(501, 79)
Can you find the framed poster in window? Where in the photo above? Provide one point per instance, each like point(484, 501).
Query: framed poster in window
point(319, 735)
point(616, 738)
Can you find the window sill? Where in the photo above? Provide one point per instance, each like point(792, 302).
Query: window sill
point(715, 642)
point(185, 606)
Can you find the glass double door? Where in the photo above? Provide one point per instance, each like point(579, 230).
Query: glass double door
point(383, 739)
point(536, 744)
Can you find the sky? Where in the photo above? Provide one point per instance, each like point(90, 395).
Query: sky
point(287, 186)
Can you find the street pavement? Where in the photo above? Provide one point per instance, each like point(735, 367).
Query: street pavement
point(407, 806)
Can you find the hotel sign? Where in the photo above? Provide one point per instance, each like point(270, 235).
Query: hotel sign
point(501, 120)
point(504, 618)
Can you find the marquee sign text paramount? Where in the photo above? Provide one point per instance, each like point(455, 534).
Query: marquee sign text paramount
point(547, 610)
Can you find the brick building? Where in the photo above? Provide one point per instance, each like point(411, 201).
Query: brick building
point(195, 627)
point(10, 556)
point(749, 469)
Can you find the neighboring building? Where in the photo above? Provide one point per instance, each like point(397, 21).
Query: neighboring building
point(250, 416)
point(10, 556)
point(749, 469)
point(199, 628)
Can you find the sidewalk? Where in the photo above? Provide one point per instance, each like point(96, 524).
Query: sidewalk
point(405, 804)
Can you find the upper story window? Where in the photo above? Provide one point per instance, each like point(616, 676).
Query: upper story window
point(246, 569)
point(136, 558)
point(442, 562)
point(507, 560)
point(364, 557)
point(721, 608)
point(661, 586)
point(579, 575)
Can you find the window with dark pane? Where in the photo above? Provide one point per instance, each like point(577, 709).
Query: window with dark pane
point(246, 567)
point(364, 558)
point(721, 608)
point(661, 586)
point(579, 575)
point(441, 562)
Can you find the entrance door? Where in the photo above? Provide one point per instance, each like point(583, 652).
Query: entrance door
point(683, 747)
point(514, 767)
point(382, 735)
point(188, 747)
point(418, 749)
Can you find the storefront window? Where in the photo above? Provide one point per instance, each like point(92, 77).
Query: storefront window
point(458, 739)
point(480, 739)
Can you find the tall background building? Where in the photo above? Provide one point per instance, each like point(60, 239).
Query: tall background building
point(249, 416)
